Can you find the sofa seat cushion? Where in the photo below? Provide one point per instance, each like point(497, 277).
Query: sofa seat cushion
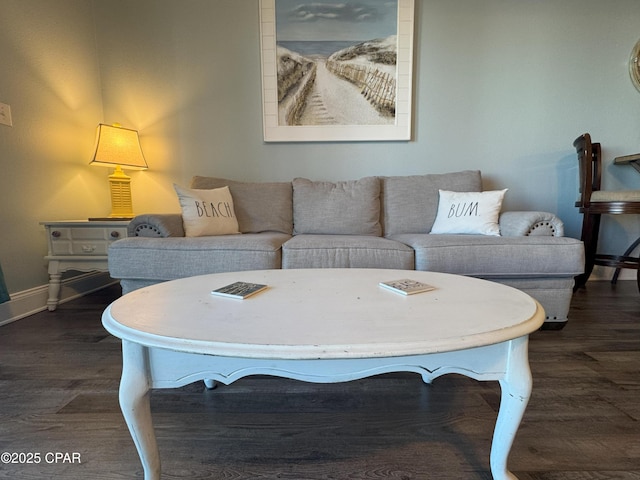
point(171, 258)
point(489, 256)
point(345, 251)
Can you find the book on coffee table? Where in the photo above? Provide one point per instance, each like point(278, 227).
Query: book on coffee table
point(406, 286)
point(239, 290)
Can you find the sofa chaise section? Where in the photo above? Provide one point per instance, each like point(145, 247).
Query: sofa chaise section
point(158, 250)
point(530, 253)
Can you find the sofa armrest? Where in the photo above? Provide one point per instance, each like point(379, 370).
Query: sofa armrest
point(157, 225)
point(516, 224)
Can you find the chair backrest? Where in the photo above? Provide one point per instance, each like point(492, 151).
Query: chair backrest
point(589, 163)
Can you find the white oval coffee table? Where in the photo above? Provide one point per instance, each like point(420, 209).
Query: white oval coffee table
point(323, 325)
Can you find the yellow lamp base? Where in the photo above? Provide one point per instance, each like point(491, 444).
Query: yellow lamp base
point(121, 203)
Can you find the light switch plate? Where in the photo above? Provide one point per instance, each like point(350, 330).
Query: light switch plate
point(5, 115)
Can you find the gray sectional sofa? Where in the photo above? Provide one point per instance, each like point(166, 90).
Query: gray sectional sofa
point(374, 222)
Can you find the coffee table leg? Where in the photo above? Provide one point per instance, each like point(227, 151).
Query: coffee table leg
point(134, 402)
point(516, 389)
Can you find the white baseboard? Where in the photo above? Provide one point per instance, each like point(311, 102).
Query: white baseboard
point(606, 273)
point(34, 300)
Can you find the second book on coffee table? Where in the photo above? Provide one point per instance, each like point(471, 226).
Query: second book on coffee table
point(406, 286)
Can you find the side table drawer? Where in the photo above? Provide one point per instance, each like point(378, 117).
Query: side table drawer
point(91, 241)
point(89, 248)
point(105, 233)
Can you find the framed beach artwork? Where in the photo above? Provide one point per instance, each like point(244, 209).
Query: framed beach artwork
point(337, 70)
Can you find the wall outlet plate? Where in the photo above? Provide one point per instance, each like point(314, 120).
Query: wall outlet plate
point(5, 115)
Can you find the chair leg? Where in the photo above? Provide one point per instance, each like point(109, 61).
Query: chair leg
point(590, 231)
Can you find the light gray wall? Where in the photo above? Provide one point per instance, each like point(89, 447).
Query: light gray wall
point(503, 86)
point(49, 74)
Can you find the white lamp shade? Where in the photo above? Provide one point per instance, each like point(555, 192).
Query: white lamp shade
point(118, 146)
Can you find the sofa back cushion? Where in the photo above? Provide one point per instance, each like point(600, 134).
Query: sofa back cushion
point(410, 203)
point(259, 207)
point(342, 208)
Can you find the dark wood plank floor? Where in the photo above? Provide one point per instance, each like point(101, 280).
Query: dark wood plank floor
point(59, 375)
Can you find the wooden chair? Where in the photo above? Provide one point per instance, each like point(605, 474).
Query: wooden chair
point(595, 202)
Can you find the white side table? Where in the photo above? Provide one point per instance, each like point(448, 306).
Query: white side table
point(78, 245)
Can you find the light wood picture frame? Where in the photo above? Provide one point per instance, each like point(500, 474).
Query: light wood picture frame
point(303, 103)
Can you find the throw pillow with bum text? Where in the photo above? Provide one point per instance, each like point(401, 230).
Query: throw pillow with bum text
point(469, 212)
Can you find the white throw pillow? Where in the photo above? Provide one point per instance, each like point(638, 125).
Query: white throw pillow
point(207, 212)
point(469, 212)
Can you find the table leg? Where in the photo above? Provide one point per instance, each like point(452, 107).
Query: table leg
point(134, 402)
point(516, 390)
point(54, 291)
point(209, 383)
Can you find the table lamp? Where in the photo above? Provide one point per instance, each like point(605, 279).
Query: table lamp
point(119, 147)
